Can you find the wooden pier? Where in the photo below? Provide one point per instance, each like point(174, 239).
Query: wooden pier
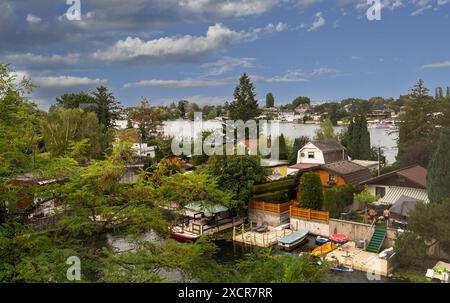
point(244, 234)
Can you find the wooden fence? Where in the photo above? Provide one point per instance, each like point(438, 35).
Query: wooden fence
point(309, 214)
point(271, 207)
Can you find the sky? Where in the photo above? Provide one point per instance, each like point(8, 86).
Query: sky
point(169, 50)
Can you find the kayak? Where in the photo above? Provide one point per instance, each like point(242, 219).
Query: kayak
point(324, 249)
point(342, 269)
point(339, 238)
point(321, 240)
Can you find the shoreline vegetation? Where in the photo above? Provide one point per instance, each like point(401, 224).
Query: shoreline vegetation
point(69, 170)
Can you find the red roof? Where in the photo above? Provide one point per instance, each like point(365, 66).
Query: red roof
point(302, 166)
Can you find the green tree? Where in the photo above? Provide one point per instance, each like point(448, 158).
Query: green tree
point(311, 191)
point(300, 100)
point(245, 106)
point(356, 138)
point(325, 131)
point(108, 108)
point(148, 118)
point(410, 248)
point(80, 100)
point(270, 100)
point(418, 131)
point(237, 174)
point(282, 147)
point(438, 178)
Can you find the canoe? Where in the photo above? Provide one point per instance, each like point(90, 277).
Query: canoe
point(339, 238)
point(293, 240)
point(182, 235)
point(321, 240)
point(342, 269)
point(324, 249)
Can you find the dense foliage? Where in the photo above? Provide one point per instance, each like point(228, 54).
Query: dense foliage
point(311, 191)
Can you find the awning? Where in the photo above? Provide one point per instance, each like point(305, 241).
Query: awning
point(393, 193)
point(404, 206)
point(206, 207)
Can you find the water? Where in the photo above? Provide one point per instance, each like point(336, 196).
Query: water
point(230, 252)
point(379, 137)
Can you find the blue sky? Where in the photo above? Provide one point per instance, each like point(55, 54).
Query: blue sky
point(167, 50)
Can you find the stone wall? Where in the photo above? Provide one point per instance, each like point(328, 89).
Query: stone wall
point(317, 228)
point(273, 219)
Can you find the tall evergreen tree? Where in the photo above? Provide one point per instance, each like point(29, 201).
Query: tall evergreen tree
point(438, 178)
point(281, 143)
point(270, 100)
point(245, 106)
point(108, 110)
point(311, 191)
point(447, 95)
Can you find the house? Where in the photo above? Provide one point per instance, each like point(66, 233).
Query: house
point(303, 108)
point(410, 182)
point(316, 153)
point(340, 173)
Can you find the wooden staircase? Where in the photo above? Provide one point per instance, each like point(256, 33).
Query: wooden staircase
point(377, 239)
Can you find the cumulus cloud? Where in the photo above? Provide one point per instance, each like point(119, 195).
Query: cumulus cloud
point(318, 22)
point(66, 82)
point(324, 70)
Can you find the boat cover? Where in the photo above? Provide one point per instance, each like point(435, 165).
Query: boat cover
point(295, 236)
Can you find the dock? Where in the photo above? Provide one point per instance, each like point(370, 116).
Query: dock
point(350, 256)
point(244, 234)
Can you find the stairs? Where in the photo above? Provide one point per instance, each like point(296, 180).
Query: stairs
point(377, 239)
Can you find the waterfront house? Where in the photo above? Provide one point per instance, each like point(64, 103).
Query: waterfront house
point(410, 182)
point(316, 153)
point(278, 168)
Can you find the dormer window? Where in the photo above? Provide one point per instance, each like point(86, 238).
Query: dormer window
point(311, 155)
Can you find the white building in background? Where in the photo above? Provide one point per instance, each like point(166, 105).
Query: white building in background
point(143, 150)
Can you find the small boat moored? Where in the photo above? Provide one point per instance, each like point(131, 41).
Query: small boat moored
point(321, 240)
point(293, 240)
point(182, 235)
point(339, 238)
point(342, 269)
point(324, 249)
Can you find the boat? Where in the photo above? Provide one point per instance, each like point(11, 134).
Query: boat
point(324, 249)
point(321, 240)
point(293, 240)
point(342, 269)
point(339, 238)
point(182, 235)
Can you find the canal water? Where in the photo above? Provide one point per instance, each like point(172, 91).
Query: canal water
point(230, 252)
point(386, 139)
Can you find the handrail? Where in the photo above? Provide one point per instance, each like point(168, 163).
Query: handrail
point(367, 232)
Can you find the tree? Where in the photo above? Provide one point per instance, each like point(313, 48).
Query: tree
point(148, 118)
point(356, 138)
point(245, 106)
point(410, 248)
point(183, 107)
point(282, 147)
point(325, 131)
point(63, 128)
point(270, 100)
point(311, 191)
point(237, 174)
point(298, 144)
point(80, 100)
point(108, 108)
point(300, 100)
point(438, 178)
point(418, 131)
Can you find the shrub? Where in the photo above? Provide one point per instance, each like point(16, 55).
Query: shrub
point(311, 191)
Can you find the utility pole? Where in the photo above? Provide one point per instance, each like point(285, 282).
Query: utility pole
point(379, 160)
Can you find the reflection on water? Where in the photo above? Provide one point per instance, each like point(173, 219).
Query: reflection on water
point(230, 252)
point(379, 137)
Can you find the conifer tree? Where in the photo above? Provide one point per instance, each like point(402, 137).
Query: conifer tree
point(438, 183)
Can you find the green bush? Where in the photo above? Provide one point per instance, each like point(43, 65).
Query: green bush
point(284, 184)
point(277, 197)
point(311, 191)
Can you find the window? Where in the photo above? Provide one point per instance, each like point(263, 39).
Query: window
point(302, 155)
point(331, 178)
point(311, 155)
point(380, 192)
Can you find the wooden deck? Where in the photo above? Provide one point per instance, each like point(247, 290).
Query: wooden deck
point(352, 257)
point(243, 234)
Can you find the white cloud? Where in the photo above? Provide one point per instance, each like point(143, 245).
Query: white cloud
point(183, 83)
point(295, 75)
point(66, 81)
point(217, 38)
point(281, 26)
point(318, 22)
point(32, 19)
point(230, 8)
point(199, 99)
point(227, 64)
point(42, 59)
point(324, 70)
point(444, 64)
